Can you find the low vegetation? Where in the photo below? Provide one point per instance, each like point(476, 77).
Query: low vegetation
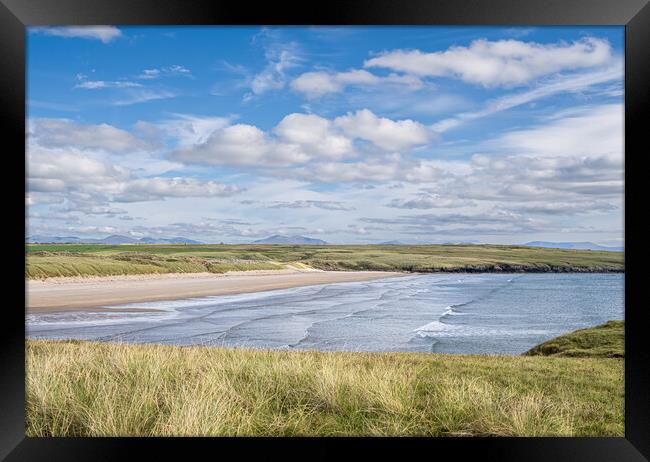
point(47, 260)
point(604, 341)
point(91, 389)
point(41, 265)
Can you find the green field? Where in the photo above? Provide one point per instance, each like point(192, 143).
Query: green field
point(44, 260)
point(91, 389)
point(606, 340)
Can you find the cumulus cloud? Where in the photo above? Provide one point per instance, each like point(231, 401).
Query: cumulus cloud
point(315, 134)
point(318, 83)
point(301, 138)
point(504, 63)
point(89, 182)
point(103, 33)
point(385, 133)
point(241, 144)
point(55, 169)
point(67, 133)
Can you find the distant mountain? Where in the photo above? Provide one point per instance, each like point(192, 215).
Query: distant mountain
point(173, 240)
point(278, 239)
point(114, 239)
point(117, 239)
point(573, 246)
point(392, 243)
point(461, 243)
point(52, 239)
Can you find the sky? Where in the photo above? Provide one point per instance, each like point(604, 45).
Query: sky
point(347, 134)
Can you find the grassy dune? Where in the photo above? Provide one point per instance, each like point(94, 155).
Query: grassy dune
point(606, 340)
point(91, 389)
point(42, 265)
point(45, 260)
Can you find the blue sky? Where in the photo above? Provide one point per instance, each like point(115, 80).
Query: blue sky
point(349, 134)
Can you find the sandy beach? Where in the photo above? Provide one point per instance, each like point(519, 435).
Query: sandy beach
point(65, 294)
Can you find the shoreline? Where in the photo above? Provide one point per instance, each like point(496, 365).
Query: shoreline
point(93, 293)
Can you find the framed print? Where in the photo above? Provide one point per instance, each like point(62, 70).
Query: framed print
point(385, 224)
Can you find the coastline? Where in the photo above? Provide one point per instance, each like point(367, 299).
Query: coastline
point(92, 293)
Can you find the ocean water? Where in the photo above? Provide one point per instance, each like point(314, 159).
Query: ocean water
point(441, 313)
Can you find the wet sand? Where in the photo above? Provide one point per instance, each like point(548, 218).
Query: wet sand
point(65, 294)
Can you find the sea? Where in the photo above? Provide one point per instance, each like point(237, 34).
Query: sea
point(439, 313)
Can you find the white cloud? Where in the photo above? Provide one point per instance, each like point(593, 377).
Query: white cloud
point(333, 172)
point(100, 84)
point(90, 182)
point(384, 133)
point(563, 208)
point(150, 74)
point(498, 63)
point(34, 198)
point(383, 169)
point(301, 138)
point(586, 131)
point(280, 58)
point(561, 84)
point(241, 144)
point(453, 224)
point(174, 70)
point(66, 168)
point(573, 156)
point(142, 96)
point(46, 185)
point(67, 133)
point(103, 33)
point(188, 129)
point(429, 201)
point(314, 134)
point(305, 204)
point(145, 189)
point(318, 83)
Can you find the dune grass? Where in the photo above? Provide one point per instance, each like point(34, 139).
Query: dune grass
point(41, 265)
point(606, 340)
point(47, 260)
point(91, 389)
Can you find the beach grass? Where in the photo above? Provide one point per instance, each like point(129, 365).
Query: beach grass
point(50, 260)
point(77, 388)
point(42, 265)
point(606, 340)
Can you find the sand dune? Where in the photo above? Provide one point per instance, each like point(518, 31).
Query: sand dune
point(59, 294)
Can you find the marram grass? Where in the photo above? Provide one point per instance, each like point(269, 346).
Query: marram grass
point(92, 389)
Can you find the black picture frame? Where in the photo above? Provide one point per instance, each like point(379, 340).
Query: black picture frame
point(16, 15)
